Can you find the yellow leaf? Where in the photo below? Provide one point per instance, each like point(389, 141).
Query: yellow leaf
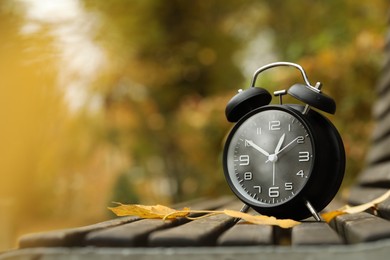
point(356, 209)
point(262, 220)
point(163, 212)
point(152, 212)
point(328, 216)
point(365, 206)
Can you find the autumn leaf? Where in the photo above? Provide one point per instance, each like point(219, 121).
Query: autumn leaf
point(261, 219)
point(163, 212)
point(153, 212)
point(328, 216)
point(371, 204)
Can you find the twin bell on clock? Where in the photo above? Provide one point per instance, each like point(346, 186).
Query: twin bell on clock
point(283, 160)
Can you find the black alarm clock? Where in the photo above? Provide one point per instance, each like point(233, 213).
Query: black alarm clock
point(283, 160)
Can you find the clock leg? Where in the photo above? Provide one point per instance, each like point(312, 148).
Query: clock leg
point(313, 211)
point(244, 209)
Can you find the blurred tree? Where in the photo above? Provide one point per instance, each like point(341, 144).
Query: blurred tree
point(340, 44)
point(50, 156)
point(123, 190)
point(175, 60)
point(172, 57)
point(22, 105)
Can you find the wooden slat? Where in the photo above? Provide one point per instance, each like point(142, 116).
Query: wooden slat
point(376, 175)
point(384, 209)
point(128, 235)
point(359, 195)
point(381, 105)
point(362, 227)
point(68, 237)
point(381, 129)
point(385, 61)
point(379, 152)
point(338, 222)
point(207, 204)
point(136, 234)
point(384, 81)
point(315, 233)
point(201, 232)
point(246, 235)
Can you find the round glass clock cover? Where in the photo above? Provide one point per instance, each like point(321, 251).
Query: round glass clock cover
point(269, 156)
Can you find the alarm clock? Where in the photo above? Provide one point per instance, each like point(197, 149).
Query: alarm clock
point(283, 160)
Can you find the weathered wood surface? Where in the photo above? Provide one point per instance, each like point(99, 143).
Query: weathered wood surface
point(121, 230)
point(364, 194)
point(354, 236)
point(315, 233)
point(221, 230)
point(376, 176)
point(376, 250)
point(202, 232)
point(68, 237)
point(247, 235)
point(362, 227)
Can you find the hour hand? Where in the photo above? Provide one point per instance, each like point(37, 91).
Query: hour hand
point(279, 145)
point(256, 147)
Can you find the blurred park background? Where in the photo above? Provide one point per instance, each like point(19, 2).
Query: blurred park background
point(124, 101)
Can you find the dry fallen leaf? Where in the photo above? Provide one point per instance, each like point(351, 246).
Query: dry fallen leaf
point(365, 206)
point(356, 209)
point(262, 220)
point(163, 212)
point(328, 216)
point(157, 211)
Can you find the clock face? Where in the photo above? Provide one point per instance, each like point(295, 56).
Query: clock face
point(268, 157)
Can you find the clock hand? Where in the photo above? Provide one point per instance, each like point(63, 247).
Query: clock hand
point(288, 145)
point(273, 173)
point(279, 144)
point(273, 157)
point(258, 148)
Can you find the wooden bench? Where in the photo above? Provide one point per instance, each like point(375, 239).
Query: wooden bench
point(352, 236)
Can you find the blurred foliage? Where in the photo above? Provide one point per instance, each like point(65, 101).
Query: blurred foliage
point(184, 57)
point(108, 100)
point(340, 44)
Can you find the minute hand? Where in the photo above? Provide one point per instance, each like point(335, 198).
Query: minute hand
point(287, 145)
